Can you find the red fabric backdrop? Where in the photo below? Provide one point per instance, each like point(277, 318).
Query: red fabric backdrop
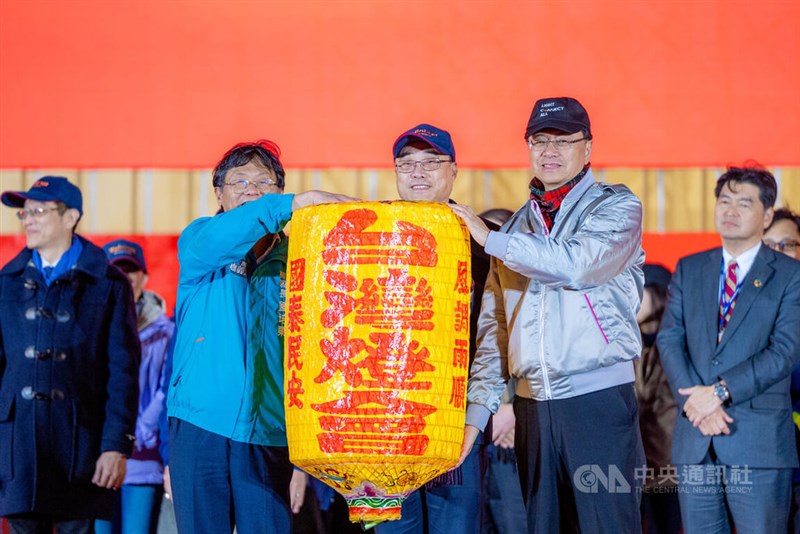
point(162, 261)
point(171, 84)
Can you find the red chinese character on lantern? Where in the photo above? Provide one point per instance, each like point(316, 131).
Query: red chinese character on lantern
point(293, 344)
point(393, 363)
point(397, 301)
point(461, 278)
point(342, 304)
point(340, 354)
point(348, 243)
point(402, 291)
point(373, 422)
point(295, 315)
point(461, 317)
point(390, 363)
point(294, 388)
point(457, 394)
point(297, 274)
point(461, 354)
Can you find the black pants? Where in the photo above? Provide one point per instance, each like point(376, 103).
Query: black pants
point(577, 459)
point(36, 524)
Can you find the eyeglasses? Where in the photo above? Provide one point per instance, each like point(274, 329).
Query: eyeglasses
point(33, 212)
point(427, 165)
point(789, 245)
point(539, 145)
point(240, 186)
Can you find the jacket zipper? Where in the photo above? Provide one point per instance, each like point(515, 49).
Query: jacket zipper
point(548, 394)
point(545, 379)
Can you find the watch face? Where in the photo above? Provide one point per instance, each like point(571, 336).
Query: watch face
point(721, 392)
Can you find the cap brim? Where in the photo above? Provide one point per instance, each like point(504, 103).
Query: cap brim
point(567, 127)
point(127, 260)
point(15, 199)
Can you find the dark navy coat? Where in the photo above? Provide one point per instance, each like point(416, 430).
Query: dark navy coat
point(69, 358)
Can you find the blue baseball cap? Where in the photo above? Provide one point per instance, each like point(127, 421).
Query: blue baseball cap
point(123, 251)
point(48, 188)
point(437, 138)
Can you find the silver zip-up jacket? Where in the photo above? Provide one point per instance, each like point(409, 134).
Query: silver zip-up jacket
point(559, 309)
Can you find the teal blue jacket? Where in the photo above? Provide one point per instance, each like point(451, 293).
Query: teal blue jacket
point(218, 384)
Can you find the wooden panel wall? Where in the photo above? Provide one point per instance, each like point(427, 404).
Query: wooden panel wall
point(165, 201)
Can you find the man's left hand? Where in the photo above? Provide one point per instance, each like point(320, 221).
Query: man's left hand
point(109, 471)
point(716, 423)
point(701, 403)
point(471, 433)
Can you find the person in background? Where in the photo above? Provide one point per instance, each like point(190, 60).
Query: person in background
point(728, 343)
point(166, 518)
point(504, 510)
point(139, 501)
point(426, 169)
point(783, 235)
point(69, 360)
point(228, 459)
point(657, 411)
point(559, 315)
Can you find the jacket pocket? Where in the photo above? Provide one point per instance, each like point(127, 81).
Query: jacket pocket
point(85, 444)
point(771, 401)
point(595, 318)
point(6, 438)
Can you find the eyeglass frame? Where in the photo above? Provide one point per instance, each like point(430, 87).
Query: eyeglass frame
point(422, 163)
point(780, 246)
point(566, 143)
point(268, 184)
point(35, 213)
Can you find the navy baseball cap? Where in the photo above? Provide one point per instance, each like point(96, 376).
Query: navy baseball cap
point(123, 251)
point(562, 113)
point(437, 138)
point(48, 188)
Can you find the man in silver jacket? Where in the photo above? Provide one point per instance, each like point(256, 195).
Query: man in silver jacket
point(559, 315)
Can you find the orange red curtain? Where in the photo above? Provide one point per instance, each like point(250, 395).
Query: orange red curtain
point(172, 84)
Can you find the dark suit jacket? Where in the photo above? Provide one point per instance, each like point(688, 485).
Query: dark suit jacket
point(760, 347)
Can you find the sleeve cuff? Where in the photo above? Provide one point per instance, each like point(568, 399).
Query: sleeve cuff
point(497, 244)
point(478, 416)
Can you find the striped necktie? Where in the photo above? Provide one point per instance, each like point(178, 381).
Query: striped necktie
point(728, 300)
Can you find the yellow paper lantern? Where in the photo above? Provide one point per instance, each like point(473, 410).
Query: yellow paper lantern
point(377, 348)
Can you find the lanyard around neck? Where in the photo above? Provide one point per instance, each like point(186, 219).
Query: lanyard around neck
point(727, 304)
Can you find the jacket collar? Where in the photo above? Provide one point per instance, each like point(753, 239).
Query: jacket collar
point(149, 308)
point(578, 191)
point(92, 261)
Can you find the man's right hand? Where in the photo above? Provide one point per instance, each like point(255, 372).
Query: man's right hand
point(475, 224)
point(312, 198)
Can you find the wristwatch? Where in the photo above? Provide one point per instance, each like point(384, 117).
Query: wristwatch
point(722, 393)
